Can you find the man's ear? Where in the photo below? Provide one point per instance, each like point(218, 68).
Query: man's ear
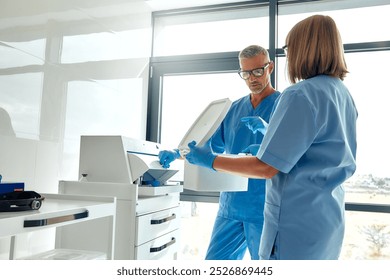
point(271, 66)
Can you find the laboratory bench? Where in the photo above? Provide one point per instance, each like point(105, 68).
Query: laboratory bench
point(62, 211)
point(147, 218)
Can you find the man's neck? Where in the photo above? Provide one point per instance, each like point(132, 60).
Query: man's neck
point(256, 98)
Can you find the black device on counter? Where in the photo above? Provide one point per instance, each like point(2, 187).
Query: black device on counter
point(20, 201)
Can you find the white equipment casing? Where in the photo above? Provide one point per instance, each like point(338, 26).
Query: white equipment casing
point(198, 178)
point(118, 159)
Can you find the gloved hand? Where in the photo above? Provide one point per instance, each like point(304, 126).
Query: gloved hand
point(252, 149)
point(202, 156)
point(167, 156)
point(255, 124)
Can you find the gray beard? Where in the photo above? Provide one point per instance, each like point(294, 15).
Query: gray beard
point(262, 90)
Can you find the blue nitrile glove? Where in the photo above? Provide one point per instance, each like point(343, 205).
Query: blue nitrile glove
point(202, 156)
point(255, 124)
point(167, 156)
point(252, 149)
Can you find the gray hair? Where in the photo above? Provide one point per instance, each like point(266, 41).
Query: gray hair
point(251, 51)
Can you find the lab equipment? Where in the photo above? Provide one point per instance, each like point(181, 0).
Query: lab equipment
point(122, 160)
point(20, 201)
point(198, 178)
point(206, 124)
point(148, 209)
point(6, 187)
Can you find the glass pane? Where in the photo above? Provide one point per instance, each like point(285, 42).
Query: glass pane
point(281, 74)
point(367, 236)
point(219, 32)
point(186, 96)
point(107, 46)
point(371, 183)
point(369, 21)
point(196, 226)
point(18, 54)
point(105, 107)
point(20, 96)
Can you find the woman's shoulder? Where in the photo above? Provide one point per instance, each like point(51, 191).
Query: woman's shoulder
point(312, 84)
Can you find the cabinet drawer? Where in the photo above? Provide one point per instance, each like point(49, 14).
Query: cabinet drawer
point(147, 205)
point(155, 224)
point(162, 248)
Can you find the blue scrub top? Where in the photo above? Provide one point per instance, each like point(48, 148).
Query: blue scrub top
point(311, 140)
point(233, 137)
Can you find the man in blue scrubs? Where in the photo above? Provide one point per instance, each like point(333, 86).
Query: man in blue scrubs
point(239, 220)
point(308, 151)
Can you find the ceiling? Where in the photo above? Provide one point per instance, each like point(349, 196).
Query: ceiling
point(19, 13)
point(158, 5)
point(15, 8)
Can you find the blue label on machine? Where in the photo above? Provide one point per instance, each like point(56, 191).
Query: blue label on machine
point(11, 187)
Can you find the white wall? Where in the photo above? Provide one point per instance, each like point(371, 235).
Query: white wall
point(68, 68)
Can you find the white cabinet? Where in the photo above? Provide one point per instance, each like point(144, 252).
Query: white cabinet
point(147, 219)
point(62, 211)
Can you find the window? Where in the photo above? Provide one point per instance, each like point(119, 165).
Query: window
point(368, 21)
point(188, 95)
point(106, 46)
point(196, 225)
point(215, 31)
point(18, 54)
point(104, 107)
point(371, 183)
point(25, 90)
point(367, 236)
point(104, 83)
point(21, 83)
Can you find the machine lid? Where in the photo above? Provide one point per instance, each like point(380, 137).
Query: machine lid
point(206, 124)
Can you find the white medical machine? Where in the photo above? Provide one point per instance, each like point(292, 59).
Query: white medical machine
point(120, 159)
point(148, 212)
point(197, 178)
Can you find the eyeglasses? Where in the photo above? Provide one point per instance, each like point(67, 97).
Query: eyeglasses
point(285, 48)
point(258, 72)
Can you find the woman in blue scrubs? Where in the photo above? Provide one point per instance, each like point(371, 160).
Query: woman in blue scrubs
point(308, 151)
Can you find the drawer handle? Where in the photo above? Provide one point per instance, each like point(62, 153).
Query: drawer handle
point(156, 222)
point(158, 249)
point(55, 220)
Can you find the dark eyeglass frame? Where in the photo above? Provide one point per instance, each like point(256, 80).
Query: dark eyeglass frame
point(285, 48)
point(258, 72)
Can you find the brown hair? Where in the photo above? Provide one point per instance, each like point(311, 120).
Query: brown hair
point(314, 47)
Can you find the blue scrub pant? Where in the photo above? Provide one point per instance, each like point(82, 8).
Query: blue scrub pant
point(230, 239)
